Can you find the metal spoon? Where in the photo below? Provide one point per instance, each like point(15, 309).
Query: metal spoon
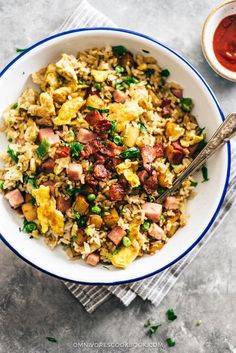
point(223, 134)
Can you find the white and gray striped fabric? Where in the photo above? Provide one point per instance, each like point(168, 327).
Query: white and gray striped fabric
point(156, 287)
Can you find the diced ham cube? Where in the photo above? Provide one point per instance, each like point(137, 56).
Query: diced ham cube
point(152, 211)
point(116, 192)
point(171, 203)
point(15, 198)
point(100, 172)
point(63, 204)
point(93, 259)
point(85, 135)
point(75, 171)
point(48, 165)
point(49, 135)
point(156, 232)
point(116, 235)
point(119, 96)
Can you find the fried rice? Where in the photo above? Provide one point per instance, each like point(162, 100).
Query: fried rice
point(91, 150)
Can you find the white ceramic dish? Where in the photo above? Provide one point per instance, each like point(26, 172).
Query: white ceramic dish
point(202, 209)
point(212, 21)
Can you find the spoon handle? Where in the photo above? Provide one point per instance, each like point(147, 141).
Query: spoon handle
point(223, 134)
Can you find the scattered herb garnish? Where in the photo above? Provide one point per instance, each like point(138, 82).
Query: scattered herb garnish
point(31, 180)
point(20, 50)
point(131, 153)
point(193, 183)
point(145, 51)
point(142, 128)
point(119, 50)
point(75, 149)
point(171, 315)
point(51, 339)
point(100, 110)
point(13, 154)
point(170, 342)
point(43, 149)
point(98, 86)
point(29, 227)
point(117, 139)
point(149, 72)
point(151, 328)
point(205, 173)
point(186, 104)
point(200, 130)
point(165, 73)
point(119, 69)
point(14, 106)
point(1, 184)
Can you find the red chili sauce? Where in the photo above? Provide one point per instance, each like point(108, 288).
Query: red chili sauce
point(224, 42)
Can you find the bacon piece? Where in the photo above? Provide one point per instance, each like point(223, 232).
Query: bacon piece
point(177, 92)
point(89, 179)
point(173, 155)
point(51, 185)
point(15, 198)
point(113, 162)
point(63, 204)
point(119, 96)
point(85, 135)
point(48, 165)
point(75, 171)
point(192, 149)
point(99, 158)
point(165, 102)
point(143, 175)
point(100, 172)
point(151, 184)
point(111, 149)
point(152, 210)
point(49, 135)
point(93, 259)
point(92, 147)
point(116, 235)
point(93, 117)
point(171, 203)
point(177, 146)
point(150, 153)
point(116, 192)
point(62, 152)
point(166, 111)
point(159, 149)
point(102, 126)
point(156, 232)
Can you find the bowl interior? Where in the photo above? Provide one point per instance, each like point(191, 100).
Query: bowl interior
point(209, 28)
point(201, 209)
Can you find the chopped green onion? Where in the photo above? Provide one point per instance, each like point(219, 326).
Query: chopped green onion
point(51, 339)
point(130, 79)
point(160, 190)
point(1, 184)
point(119, 50)
point(199, 322)
point(170, 342)
point(43, 149)
point(162, 217)
point(74, 238)
point(75, 149)
point(151, 328)
point(119, 85)
point(13, 154)
point(165, 73)
point(29, 227)
point(143, 128)
point(91, 197)
point(200, 146)
point(193, 183)
point(146, 225)
point(186, 104)
point(14, 106)
point(151, 198)
point(113, 127)
point(20, 50)
point(131, 153)
point(205, 173)
point(10, 140)
point(119, 69)
point(99, 110)
point(146, 51)
point(96, 209)
point(98, 86)
point(200, 130)
point(171, 315)
point(126, 242)
point(31, 180)
point(117, 139)
point(81, 221)
point(149, 72)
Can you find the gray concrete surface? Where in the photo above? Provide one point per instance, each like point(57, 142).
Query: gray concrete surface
point(33, 305)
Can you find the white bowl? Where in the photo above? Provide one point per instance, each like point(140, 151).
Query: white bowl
point(202, 209)
point(212, 21)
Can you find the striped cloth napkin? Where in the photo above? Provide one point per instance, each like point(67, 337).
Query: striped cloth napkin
point(156, 287)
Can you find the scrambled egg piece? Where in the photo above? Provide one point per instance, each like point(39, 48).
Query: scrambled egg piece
point(61, 164)
point(99, 75)
point(174, 131)
point(39, 76)
point(190, 139)
point(128, 169)
point(95, 102)
point(68, 111)
point(48, 215)
point(60, 94)
point(50, 78)
point(31, 131)
point(28, 98)
point(126, 255)
point(135, 233)
point(45, 109)
point(66, 67)
point(123, 113)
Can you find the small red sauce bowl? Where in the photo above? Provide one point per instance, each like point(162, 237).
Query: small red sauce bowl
point(212, 22)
